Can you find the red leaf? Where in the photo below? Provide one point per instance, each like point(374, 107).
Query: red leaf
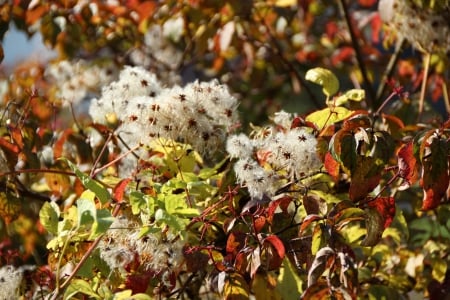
point(119, 190)
point(435, 171)
point(277, 245)
point(282, 202)
point(308, 220)
point(331, 29)
point(344, 54)
point(386, 207)
point(358, 119)
point(258, 223)
point(407, 168)
point(9, 147)
point(376, 25)
point(138, 283)
point(332, 166)
point(367, 3)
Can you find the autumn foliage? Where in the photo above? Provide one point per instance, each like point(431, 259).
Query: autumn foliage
point(226, 150)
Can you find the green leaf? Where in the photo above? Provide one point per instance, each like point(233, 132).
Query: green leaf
point(175, 202)
point(49, 217)
point(89, 183)
point(343, 149)
point(377, 292)
point(142, 203)
point(79, 286)
point(328, 116)
point(317, 239)
point(103, 221)
point(352, 233)
point(175, 223)
point(86, 209)
point(289, 283)
point(324, 78)
point(88, 214)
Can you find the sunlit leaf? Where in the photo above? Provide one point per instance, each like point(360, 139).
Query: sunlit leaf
point(289, 283)
point(128, 294)
point(285, 3)
point(308, 220)
point(332, 166)
point(175, 223)
point(327, 116)
point(236, 288)
point(356, 95)
point(89, 183)
point(79, 286)
point(49, 217)
point(119, 190)
point(439, 268)
point(318, 238)
point(58, 183)
point(324, 78)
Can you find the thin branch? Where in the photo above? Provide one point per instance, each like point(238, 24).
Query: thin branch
point(446, 98)
point(427, 62)
point(278, 51)
point(390, 68)
point(362, 67)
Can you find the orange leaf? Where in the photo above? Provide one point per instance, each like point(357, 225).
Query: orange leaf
point(33, 15)
point(119, 190)
point(332, 166)
point(407, 164)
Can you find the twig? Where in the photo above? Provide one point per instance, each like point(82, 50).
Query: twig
point(427, 62)
point(446, 98)
point(390, 68)
point(279, 52)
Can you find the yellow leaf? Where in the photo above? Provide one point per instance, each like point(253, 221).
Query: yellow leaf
point(353, 95)
point(439, 269)
point(328, 116)
point(236, 288)
point(285, 3)
point(324, 78)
